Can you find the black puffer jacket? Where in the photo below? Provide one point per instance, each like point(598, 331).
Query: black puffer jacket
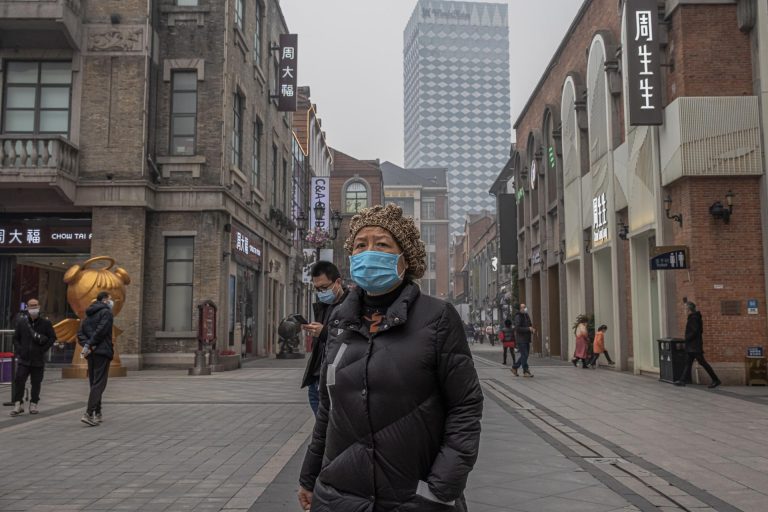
point(399, 419)
point(96, 329)
point(522, 327)
point(322, 313)
point(32, 339)
point(694, 333)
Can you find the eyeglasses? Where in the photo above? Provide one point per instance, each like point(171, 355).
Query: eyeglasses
point(324, 288)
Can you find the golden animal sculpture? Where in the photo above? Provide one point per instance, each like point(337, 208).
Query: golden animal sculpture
point(83, 285)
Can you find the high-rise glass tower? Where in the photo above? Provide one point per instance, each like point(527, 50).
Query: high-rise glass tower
point(456, 59)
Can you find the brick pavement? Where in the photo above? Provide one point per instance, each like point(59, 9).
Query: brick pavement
point(565, 440)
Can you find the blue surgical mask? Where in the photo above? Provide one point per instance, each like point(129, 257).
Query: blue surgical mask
point(326, 296)
point(375, 271)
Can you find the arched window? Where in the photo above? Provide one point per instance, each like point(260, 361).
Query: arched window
point(355, 197)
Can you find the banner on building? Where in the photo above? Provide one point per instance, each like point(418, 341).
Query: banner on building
point(25, 235)
point(321, 195)
point(287, 77)
point(644, 62)
point(507, 229)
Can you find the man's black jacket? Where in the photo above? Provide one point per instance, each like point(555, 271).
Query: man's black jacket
point(32, 339)
point(322, 312)
point(96, 330)
point(694, 332)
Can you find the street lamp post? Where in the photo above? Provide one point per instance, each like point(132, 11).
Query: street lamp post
point(335, 223)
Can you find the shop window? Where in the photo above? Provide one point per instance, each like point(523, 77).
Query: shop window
point(179, 263)
point(184, 112)
point(258, 128)
point(431, 262)
point(355, 197)
point(237, 130)
point(186, 3)
point(37, 97)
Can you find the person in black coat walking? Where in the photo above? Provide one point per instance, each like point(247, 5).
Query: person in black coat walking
point(694, 346)
point(33, 335)
point(330, 292)
point(523, 331)
point(95, 336)
point(398, 428)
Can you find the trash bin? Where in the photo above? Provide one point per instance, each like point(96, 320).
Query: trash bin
point(672, 359)
point(6, 366)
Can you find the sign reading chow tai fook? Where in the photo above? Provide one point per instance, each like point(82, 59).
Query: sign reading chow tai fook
point(38, 234)
point(644, 62)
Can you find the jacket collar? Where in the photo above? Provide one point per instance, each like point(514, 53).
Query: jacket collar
point(350, 312)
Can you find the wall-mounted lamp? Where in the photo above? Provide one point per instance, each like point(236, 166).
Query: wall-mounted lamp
point(667, 205)
point(301, 223)
point(623, 230)
point(718, 211)
point(587, 242)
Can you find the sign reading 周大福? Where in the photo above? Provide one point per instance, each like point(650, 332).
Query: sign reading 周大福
point(26, 236)
point(644, 62)
point(247, 247)
point(287, 78)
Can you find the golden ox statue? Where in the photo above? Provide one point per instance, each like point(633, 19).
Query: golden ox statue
point(83, 285)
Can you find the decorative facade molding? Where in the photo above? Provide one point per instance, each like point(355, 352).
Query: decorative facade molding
point(115, 39)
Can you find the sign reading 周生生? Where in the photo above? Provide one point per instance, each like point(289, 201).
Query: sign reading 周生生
point(644, 62)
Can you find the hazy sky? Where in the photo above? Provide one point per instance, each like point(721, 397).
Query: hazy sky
point(351, 55)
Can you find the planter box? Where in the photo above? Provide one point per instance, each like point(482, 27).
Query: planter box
point(226, 364)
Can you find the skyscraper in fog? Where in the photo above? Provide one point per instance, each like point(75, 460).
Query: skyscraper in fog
point(456, 59)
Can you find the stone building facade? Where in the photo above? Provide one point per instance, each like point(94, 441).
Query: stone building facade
point(599, 197)
point(166, 144)
point(423, 195)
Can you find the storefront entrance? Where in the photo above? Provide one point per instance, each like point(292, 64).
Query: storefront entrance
point(35, 253)
point(646, 301)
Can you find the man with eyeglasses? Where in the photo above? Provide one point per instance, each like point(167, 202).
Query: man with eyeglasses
point(330, 292)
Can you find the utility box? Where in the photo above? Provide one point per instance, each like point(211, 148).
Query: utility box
point(672, 359)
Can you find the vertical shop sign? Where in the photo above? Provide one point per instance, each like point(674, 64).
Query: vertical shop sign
point(644, 58)
point(321, 196)
point(287, 82)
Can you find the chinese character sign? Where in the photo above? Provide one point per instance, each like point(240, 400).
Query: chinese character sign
point(599, 218)
point(26, 235)
point(644, 62)
point(287, 82)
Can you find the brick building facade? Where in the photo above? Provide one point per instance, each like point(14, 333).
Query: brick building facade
point(165, 142)
point(355, 184)
point(597, 196)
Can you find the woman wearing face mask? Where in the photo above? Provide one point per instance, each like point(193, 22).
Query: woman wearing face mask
point(398, 426)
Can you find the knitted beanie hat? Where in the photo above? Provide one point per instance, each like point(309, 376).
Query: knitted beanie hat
point(403, 229)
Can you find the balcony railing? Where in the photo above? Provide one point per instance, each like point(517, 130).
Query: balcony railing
point(40, 152)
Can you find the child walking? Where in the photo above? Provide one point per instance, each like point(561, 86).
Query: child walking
point(599, 347)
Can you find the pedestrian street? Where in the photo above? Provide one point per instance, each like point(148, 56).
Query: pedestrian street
point(566, 439)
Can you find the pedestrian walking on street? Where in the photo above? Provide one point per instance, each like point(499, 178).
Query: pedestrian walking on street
point(490, 334)
point(523, 331)
point(507, 338)
point(599, 347)
point(694, 346)
point(330, 292)
point(95, 336)
point(33, 335)
point(582, 341)
point(469, 329)
point(398, 427)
